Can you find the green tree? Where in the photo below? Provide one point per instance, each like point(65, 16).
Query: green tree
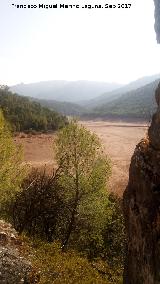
point(73, 206)
point(84, 171)
point(11, 169)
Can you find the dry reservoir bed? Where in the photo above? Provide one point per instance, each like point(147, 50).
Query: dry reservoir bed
point(118, 138)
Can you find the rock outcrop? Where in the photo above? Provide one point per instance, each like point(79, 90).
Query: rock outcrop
point(142, 208)
point(157, 19)
point(14, 268)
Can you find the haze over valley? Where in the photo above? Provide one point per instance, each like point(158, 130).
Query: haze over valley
point(95, 99)
point(60, 90)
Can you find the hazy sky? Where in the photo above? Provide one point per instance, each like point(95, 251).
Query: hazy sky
point(77, 44)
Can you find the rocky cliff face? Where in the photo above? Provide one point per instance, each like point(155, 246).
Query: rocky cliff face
point(142, 208)
point(157, 19)
point(142, 201)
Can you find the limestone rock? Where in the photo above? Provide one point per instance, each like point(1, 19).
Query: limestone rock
point(14, 268)
point(154, 130)
point(142, 209)
point(157, 95)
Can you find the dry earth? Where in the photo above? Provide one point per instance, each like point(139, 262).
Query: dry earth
point(118, 138)
point(38, 149)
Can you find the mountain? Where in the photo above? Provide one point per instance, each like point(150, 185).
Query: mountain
point(139, 103)
point(64, 90)
point(65, 108)
point(113, 95)
point(25, 115)
point(71, 98)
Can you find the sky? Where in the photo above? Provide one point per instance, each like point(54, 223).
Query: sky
point(111, 45)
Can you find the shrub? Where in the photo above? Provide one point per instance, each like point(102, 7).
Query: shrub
point(69, 267)
point(11, 170)
point(38, 206)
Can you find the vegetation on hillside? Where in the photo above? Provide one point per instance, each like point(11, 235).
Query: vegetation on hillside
point(139, 103)
point(70, 267)
point(24, 115)
point(107, 97)
point(65, 108)
point(135, 104)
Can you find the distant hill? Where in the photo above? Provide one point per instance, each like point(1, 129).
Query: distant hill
point(65, 108)
point(110, 96)
point(139, 103)
point(64, 90)
point(135, 100)
point(24, 115)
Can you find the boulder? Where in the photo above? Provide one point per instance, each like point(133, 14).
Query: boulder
point(14, 267)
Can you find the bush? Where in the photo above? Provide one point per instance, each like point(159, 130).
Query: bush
point(114, 235)
point(41, 211)
point(11, 170)
point(69, 267)
point(39, 206)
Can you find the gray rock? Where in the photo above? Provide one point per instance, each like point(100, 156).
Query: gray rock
point(154, 129)
point(142, 209)
point(14, 267)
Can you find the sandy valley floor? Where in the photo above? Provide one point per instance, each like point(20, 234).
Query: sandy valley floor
point(119, 140)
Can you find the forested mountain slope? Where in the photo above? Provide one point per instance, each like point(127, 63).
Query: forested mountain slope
point(24, 115)
point(65, 108)
point(115, 94)
point(138, 103)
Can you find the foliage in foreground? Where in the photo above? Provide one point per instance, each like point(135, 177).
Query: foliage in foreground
point(41, 212)
point(69, 267)
point(84, 170)
point(11, 170)
point(73, 208)
point(38, 209)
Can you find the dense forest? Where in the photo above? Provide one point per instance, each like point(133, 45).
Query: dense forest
point(25, 115)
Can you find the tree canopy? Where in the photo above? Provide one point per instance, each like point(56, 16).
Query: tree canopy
point(84, 171)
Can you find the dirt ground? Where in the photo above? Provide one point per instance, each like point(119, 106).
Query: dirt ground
point(119, 140)
point(38, 149)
